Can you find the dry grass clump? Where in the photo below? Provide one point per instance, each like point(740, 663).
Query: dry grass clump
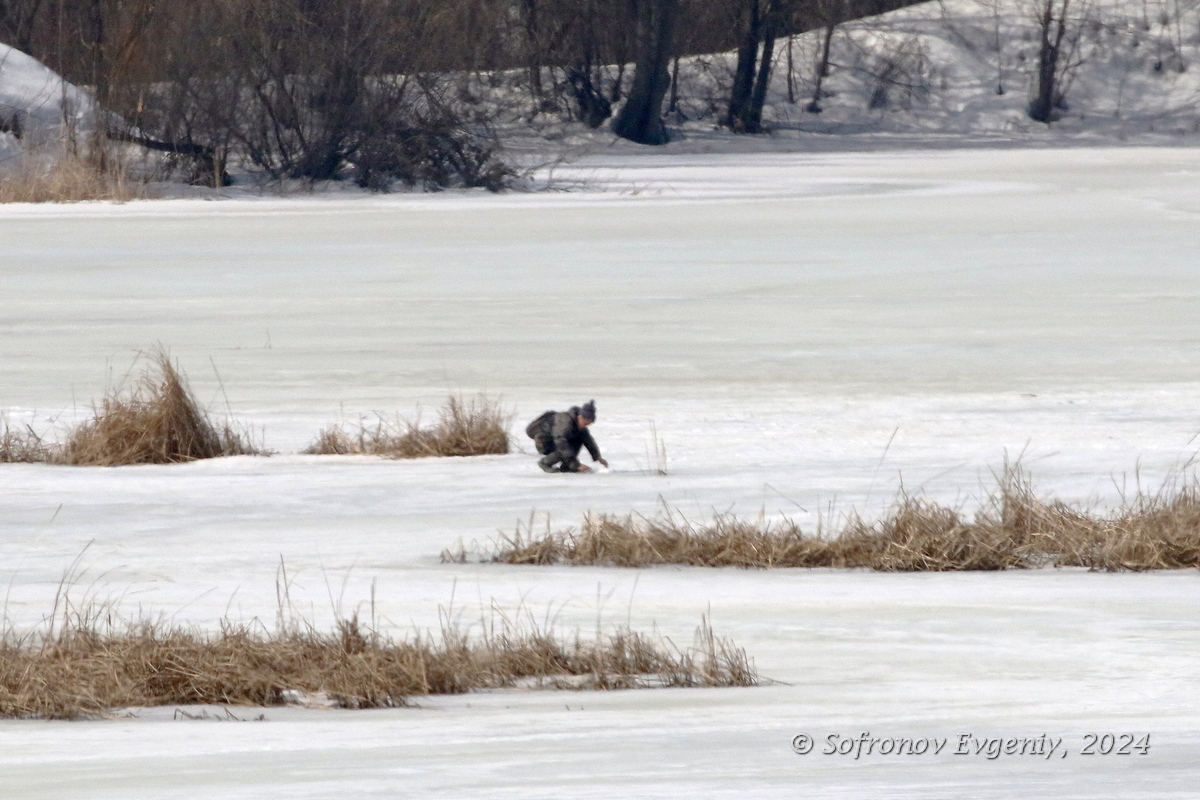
point(474, 427)
point(21, 445)
point(91, 664)
point(157, 421)
point(1014, 529)
point(670, 538)
point(1017, 529)
point(62, 179)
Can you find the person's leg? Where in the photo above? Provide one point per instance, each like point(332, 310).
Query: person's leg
point(545, 447)
point(551, 459)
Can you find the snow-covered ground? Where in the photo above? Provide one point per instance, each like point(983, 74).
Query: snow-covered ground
point(942, 72)
point(36, 105)
point(780, 318)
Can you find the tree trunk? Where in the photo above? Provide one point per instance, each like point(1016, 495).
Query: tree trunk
point(640, 119)
point(822, 70)
point(614, 95)
point(97, 45)
point(209, 164)
point(673, 106)
point(791, 67)
point(1053, 29)
point(593, 106)
point(743, 78)
point(762, 82)
point(17, 20)
point(533, 42)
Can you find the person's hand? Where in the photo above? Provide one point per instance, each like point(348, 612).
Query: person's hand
point(602, 461)
point(584, 468)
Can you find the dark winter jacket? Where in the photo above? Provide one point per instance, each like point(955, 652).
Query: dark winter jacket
point(558, 433)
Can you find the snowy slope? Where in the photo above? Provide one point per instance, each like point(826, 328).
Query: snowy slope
point(951, 71)
point(32, 99)
point(969, 66)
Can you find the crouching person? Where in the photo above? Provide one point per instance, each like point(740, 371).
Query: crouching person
point(559, 436)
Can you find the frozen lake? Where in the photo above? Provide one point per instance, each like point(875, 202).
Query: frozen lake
point(780, 318)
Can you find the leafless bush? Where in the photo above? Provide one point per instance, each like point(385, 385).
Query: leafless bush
point(1014, 529)
point(87, 662)
point(431, 151)
point(474, 427)
point(314, 92)
point(156, 420)
point(900, 76)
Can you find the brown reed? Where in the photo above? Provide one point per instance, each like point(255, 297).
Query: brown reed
point(21, 445)
point(87, 664)
point(474, 427)
point(157, 420)
point(1013, 529)
point(64, 178)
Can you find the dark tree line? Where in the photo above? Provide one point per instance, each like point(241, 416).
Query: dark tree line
point(322, 88)
point(671, 28)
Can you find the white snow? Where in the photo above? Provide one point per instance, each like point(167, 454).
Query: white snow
point(779, 317)
point(32, 98)
point(940, 73)
point(969, 67)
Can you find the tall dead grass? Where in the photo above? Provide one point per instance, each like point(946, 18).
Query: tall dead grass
point(154, 420)
point(1014, 529)
point(21, 445)
point(88, 664)
point(475, 427)
point(65, 178)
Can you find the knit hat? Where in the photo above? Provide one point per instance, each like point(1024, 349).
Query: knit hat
point(589, 410)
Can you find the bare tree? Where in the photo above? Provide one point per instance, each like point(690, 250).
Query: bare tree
point(313, 90)
point(762, 81)
point(1059, 34)
point(640, 119)
point(375, 90)
point(761, 21)
point(592, 106)
point(17, 21)
point(822, 71)
point(751, 24)
point(533, 58)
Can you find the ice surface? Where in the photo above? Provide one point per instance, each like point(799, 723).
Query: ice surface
point(1064, 653)
point(779, 317)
